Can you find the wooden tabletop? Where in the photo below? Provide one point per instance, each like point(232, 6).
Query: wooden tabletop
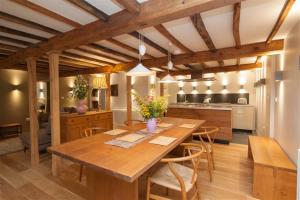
point(126, 164)
point(9, 125)
point(267, 152)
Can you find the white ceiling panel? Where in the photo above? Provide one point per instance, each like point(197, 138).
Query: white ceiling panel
point(212, 64)
point(218, 23)
point(28, 14)
point(247, 60)
point(184, 31)
point(230, 62)
point(258, 18)
point(133, 42)
point(19, 37)
point(13, 44)
point(67, 10)
point(107, 6)
point(24, 29)
point(91, 55)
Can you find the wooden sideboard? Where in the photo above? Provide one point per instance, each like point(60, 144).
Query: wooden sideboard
point(213, 117)
point(73, 124)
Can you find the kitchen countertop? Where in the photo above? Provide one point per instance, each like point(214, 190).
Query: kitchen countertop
point(213, 106)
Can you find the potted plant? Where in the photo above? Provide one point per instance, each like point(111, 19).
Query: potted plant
point(80, 91)
point(151, 109)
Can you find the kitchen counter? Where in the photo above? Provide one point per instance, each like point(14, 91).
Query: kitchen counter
point(201, 107)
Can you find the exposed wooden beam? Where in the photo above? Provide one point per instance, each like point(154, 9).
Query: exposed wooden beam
point(9, 47)
point(214, 70)
point(47, 12)
point(130, 5)
point(236, 24)
point(119, 23)
point(16, 41)
point(97, 53)
point(283, 14)
point(188, 66)
point(127, 47)
point(200, 27)
point(258, 59)
point(28, 23)
point(90, 9)
point(34, 126)
point(172, 39)
point(21, 33)
point(64, 60)
point(110, 51)
point(86, 58)
point(149, 42)
point(249, 50)
point(238, 61)
point(6, 52)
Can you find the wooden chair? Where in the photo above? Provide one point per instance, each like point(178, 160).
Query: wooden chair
point(88, 133)
point(208, 133)
point(132, 122)
point(176, 176)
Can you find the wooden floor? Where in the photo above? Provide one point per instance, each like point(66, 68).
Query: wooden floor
point(232, 178)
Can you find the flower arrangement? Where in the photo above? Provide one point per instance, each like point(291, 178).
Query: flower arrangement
point(151, 107)
point(81, 88)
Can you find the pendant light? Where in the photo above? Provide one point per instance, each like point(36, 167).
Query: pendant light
point(168, 78)
point(140, 69)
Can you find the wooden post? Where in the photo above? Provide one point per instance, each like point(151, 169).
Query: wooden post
point(162, 91)
point(54, 106)
point(129, 99)
point(108, 90)
point(34, 126)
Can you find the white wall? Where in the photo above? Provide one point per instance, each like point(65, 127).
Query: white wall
point(287, 109)
point(232, 79)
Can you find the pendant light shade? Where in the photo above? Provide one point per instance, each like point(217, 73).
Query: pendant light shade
point(168, 79)
point(170, 65)
point(139, 70)
point(142, 49)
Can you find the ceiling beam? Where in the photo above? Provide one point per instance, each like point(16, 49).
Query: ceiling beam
point(9, 47)
point(6, 52)
point(111, 51)
point(213, 70)
point(120, 23)
point(16, 41)
point(248, 50)
point(127, 47)
point(90, 9)
point(171, 38)
point(27, 23)
point(146, 40)
point(200, 27)
point(87, 58)
point(49, 13)
point(130, 5)
point(236, 24)
point(97, 53)
point(283, 14)
point(21, 33)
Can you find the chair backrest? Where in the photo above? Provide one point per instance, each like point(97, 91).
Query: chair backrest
point(209, 133)
point(194, 152)
point(132, 122)
point(88, 132)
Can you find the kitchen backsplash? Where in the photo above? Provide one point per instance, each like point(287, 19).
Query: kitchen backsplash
point(215, 98)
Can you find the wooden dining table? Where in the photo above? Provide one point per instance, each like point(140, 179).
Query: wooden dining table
point(113, 172)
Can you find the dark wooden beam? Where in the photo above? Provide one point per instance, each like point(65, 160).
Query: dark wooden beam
point(28, 23)
point(146, 40)
point(6, 52)
point(111, 51)
point(200, 27)
point(119, 23)
point(97, 53)
point(127, 47)
point(47, 12)
point(130, 5)
point(9, 47)
point(236, 24)
point(87, 58)
point(172, 39)
point(90, 9)
point(283, 14)
point(16, 41)
point(21, 33)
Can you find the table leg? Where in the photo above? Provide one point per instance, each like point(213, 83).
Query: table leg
point(106, 187)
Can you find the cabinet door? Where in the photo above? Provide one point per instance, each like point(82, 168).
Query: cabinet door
point(243, 117)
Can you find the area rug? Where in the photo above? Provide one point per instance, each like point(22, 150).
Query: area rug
point(10, 145)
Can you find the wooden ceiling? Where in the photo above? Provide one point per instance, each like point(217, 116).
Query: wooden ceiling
point(108, 41)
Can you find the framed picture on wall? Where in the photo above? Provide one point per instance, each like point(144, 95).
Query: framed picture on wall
point(114, 90)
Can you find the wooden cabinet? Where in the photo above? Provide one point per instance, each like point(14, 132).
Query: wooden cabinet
point(213, 117)
point(243, 117)
point(73, 124)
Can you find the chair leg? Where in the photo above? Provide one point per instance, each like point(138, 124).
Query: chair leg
point(213, 159)
point(197, 190)
point(148, 188)
point(209, 166)
point(80, 173)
